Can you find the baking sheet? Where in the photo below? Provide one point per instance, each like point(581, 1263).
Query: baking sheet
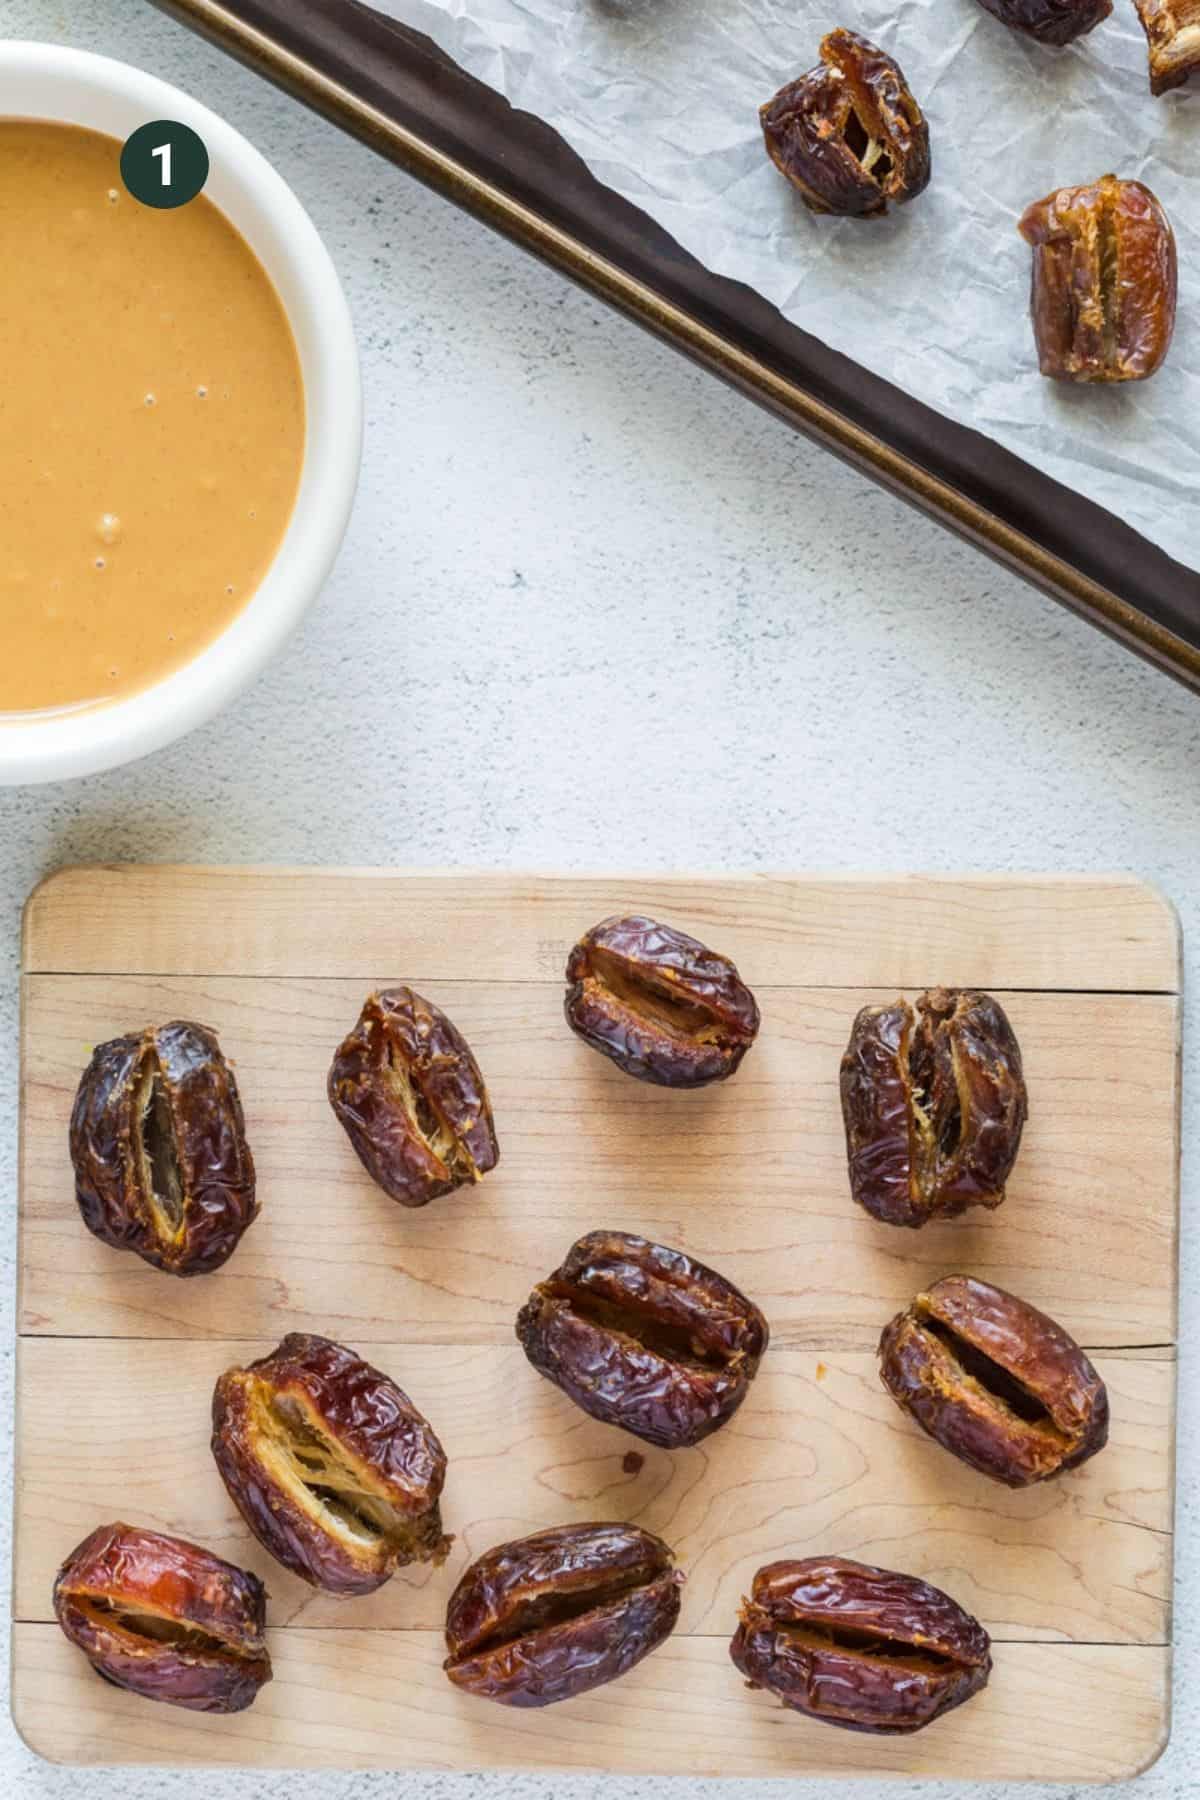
point(660, 98)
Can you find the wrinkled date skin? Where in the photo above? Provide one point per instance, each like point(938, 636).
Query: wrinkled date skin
point(659, 1004)
point(409, 1093)
point(934, 1103)
point(1050, 21)
point(158, 1142)
point(643, 1337)
point(1105, 281)
point(848, 135)
point(330, 1464)
point(995, 1382)
point(1172, 29)
point(165, 1619)
point(859, 1647)
point(557, 1614)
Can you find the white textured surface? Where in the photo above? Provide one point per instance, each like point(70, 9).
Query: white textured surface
point(595, 612)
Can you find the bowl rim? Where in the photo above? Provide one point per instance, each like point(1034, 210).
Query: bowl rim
point(55, 746)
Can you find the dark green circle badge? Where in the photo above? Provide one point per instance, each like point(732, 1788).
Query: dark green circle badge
point(164, 163)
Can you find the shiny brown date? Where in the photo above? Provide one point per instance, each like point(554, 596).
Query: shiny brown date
point(995, 1382)
point(1172, 29)
point(330, 1464)
point(557, 1614)
point(658, 1003)
point(410, 1096)
point(643, 1337)
point(165, 1619)
point(1105, 281)
point(860, 1647)
point(1050, 21)
point(158, 1142)
point(849, 135)
point(933, 1099)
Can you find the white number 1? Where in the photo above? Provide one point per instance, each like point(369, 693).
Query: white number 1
point(164, 150)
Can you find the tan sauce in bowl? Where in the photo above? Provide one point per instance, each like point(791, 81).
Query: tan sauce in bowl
point(151, 424)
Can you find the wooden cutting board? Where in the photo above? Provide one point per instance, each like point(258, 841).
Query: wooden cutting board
point(117, 1361)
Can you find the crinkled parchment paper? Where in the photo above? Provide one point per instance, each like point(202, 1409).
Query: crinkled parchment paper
point(660, 97)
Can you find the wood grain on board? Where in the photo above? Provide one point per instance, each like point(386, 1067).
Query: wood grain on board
point(364, 1699)
point(1037, 931)
point(819, 1454)
point(117, 1361)
point(750, 1175)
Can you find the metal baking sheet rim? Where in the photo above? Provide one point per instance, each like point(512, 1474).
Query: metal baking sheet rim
point(785, 398)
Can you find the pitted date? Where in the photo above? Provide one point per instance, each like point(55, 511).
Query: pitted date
point(933, 1099)
point(330, 1464)
point(663, 1007)
point(644, 1338)
point(1105, 281)
point(158, 1143)
point(165, 1619)
point(995, 1382)
point(849, 135)
point(1054, 22)
point(857, 1646)
point(1172, 29)
point(557, 1614)
point(413, 1103)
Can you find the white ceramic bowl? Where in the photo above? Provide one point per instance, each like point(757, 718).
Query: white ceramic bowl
point(46, 81)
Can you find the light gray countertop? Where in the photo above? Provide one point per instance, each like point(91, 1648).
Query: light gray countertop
point(596, 612)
